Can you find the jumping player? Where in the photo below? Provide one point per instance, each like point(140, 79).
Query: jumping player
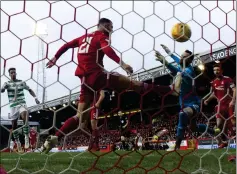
point(189, 101)
point(223, 89)
point(90, 70)
point(15, 89)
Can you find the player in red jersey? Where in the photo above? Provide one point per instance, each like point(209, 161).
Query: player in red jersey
point(33, 138)
point(224, 91)
point(91, 50)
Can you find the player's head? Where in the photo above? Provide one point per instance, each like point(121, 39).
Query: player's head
point(105, 25)
point(12, 73)
point(186, 57)
point(217, 69)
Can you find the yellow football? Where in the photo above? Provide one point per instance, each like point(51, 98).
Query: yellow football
point(181, 32)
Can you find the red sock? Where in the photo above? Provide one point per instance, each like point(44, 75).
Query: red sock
point(95, 134)
point(69, 125)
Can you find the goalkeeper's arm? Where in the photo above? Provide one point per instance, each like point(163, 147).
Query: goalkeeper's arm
point(167, 50)
point(162, 59)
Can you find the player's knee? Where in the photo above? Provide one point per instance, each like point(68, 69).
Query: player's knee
point(188, 111)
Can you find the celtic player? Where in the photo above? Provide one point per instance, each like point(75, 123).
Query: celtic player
point(15, 89)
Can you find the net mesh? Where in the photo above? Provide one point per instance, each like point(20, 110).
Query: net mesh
point(33, 31)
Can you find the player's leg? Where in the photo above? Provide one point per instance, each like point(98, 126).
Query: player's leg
point(71, 124)
point(14, 116)
point(82, 116)
point(120, 83)
point(25, 117)
point(94, 139)
point(187, 114)
point(140, 87)
point(182, 125)
point(221, 139)
point(232, 121)
point(222, 113)
point(123, 142)
point(16, 135)
point(199, 127)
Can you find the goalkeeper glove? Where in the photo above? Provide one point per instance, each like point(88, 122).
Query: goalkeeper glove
point(159, 57)
point(167, 50)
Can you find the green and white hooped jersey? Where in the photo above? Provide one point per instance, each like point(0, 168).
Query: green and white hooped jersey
point(18, 85)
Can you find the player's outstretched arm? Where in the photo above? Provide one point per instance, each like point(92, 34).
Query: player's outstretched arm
point(4, 87)
point(101, 98)
point(161, 58)
point(105, 45)
point(26, 87)
point(232, 86)
point(167, 50)
point(210, 98)
point(72, 44)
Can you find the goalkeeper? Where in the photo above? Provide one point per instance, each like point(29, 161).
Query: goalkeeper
point(189, 101)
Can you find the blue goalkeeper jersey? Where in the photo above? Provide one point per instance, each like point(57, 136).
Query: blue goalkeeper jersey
point(187, 91)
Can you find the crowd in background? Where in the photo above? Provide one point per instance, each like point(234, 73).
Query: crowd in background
point(147, 132)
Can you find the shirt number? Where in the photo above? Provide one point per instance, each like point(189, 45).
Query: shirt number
point(84, 48)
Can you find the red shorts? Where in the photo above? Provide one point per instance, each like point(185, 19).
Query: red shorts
point(94, 82)
point(224, 111)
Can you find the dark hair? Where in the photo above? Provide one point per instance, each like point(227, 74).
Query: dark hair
point(11, 69)
point(104, 21)
point(218, 65)
point(191, 57)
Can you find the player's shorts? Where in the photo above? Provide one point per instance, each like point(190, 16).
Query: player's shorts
point(195, 108)
point(95, 82)
point(16, 111)
point(224, 111)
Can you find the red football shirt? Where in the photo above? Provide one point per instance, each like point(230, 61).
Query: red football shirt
point(33, 135)
point(91, 50)
point(221, 86)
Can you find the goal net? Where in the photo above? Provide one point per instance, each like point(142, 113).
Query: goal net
point(137, 130)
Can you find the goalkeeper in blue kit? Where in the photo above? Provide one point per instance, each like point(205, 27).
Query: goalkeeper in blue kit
point(188, 100)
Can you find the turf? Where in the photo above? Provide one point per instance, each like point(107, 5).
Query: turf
point(152, 162)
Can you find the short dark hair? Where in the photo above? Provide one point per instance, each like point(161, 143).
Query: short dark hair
point(10, 69)
point(191, 54)
point(104, 21)
point(217, 65)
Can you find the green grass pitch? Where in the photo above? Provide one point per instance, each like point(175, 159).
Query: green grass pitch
point(152, 162)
